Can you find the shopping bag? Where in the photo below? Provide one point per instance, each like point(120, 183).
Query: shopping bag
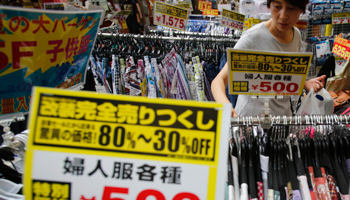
point(340, 81)
point(320, 103)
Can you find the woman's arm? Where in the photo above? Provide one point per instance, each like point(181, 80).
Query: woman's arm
point(218, 88)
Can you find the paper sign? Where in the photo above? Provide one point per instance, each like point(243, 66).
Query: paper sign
point(214, 12)
point(341, 47)
point(85, 145)
point(340, 18)
point(119, 15)
point(42, 47)
point(170, 16)
point(232, 19)
point(204, 5)
point(267, 73)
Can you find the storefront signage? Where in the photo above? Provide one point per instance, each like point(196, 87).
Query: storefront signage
point(170, 16)
point(267, 73)
point(103, 147)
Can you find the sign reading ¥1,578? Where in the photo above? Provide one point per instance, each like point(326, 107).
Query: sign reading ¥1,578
point(170, 16)
point(103, 146)
point(266, 72)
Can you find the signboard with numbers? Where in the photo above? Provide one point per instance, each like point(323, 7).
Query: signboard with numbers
point(340, 18)
point(170, 16)
point(43, 48)
point(103, 147)
point(267, 72)
point(341, 47)
point(232, 19)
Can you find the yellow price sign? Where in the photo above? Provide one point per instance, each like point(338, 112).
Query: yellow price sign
point(232, 19)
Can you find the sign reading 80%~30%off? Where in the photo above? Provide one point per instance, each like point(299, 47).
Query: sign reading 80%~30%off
point(170, 16)
point(179, 131)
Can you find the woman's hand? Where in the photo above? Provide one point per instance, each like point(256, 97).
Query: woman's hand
point(316, 83)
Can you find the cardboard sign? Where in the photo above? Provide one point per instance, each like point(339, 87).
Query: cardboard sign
point(170, 16)
point(267, 73)
point(88, 146)
point(43, 48)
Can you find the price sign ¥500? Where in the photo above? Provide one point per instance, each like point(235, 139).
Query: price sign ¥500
point(170, 16)
point(267, 73)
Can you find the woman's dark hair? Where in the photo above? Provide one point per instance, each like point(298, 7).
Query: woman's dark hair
point(301, 4)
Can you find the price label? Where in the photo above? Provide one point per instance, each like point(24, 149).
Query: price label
point(170, 16)
point(232, 19)
point(214, 12)
point(267, 73)
point(340, 18)
point(204, 5)
point(341, 47)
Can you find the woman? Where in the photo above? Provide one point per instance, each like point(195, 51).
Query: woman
point(276, 34)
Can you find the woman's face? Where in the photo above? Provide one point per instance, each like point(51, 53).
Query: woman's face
point(284, 15)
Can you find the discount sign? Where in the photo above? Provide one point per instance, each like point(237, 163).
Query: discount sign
point(170, 16)
point(232, 19)
point(107, 147)
point(267, 73)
